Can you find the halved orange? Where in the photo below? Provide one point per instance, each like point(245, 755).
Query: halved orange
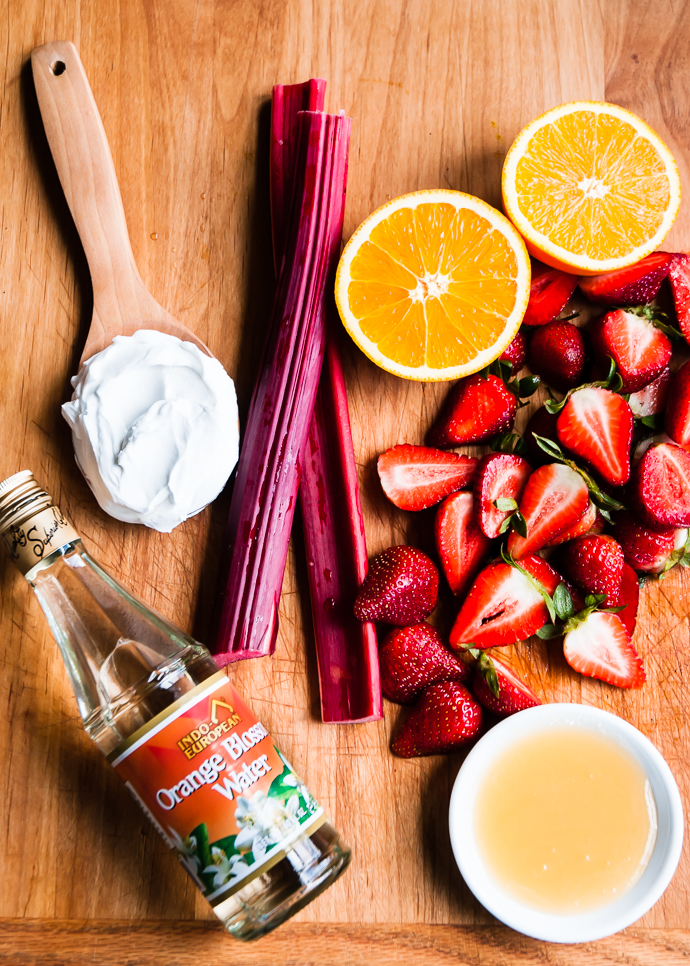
point(433, 285)
point(591, 187)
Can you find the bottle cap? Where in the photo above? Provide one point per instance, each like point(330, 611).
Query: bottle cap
point(30, 526)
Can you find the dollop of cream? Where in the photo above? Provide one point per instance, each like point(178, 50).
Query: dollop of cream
point(155, 428)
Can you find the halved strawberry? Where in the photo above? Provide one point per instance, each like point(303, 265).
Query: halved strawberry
point(555, 497)
point(600, 648)
point(461, 545)
point(679, 277)
point(597, 425)
point(503, 605)
point(652, 399)
point(677, 420)
point(412, 658)
point(499, 689)
point(416, 477)
point(634, 285)
point(549, 294)
point(499, 476)
point(400, 588)
point(628, 598)
point(595, 564)
point(476, 409)
point(645, 548)
point(661, 486)
point(445, 718)
point(516, 351)
point(640, 350)
point(582, 526)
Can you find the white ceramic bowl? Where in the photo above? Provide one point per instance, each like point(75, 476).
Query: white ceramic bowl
point(583, 926)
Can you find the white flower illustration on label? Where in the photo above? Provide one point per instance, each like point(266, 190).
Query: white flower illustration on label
point(225, 871)
point(263, 822)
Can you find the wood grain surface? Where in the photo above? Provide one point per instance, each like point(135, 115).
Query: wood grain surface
point(437, 90)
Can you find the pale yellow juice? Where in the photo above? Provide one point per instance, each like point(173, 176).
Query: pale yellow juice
point(565, 821)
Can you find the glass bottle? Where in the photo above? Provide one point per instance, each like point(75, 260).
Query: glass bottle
point(196, 759)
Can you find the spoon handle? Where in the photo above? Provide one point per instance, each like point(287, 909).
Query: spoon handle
point(84, 164)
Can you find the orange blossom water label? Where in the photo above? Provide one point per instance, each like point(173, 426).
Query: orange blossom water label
point(208, 775)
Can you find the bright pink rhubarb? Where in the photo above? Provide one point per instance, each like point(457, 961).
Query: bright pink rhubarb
point(281, 410)
point(335, 542)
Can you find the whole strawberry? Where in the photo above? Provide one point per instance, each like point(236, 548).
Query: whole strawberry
point(595, 564)
point(412, 658)
point(401, 588)
point(541, 423)
point(634, 285)
point(499, 689)
point(557, 354)
point(476, 409)
point(516, 351)
point(677, 420)
point(446, 717)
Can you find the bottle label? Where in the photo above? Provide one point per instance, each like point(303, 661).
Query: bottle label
point(207, 773)
point(37, 537)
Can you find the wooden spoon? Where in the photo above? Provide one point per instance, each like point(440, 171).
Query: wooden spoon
point(121, 302)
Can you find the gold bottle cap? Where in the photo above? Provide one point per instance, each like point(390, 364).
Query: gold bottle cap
point(30, 526)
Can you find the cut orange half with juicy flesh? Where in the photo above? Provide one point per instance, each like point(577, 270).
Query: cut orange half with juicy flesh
point(433, 285)
point(590, 187)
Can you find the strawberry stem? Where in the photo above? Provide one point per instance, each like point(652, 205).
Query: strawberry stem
point(601, 500)
point(613, 383)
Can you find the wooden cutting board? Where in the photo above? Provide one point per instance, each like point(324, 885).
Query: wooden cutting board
point(437, 91)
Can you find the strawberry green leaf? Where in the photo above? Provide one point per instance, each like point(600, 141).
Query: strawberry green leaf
point(563, 602)
point(505, 503)
point(548, 631)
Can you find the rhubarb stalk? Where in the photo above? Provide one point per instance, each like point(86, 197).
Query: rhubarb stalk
point(335, 542)
point(281, 410)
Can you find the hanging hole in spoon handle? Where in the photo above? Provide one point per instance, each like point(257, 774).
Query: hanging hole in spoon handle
point(79, 145)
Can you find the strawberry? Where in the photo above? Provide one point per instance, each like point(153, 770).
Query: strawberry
point(461, 545)
point(644, 548)
point(628, 598)
point(401, 588)
point(412, 658)
point(677, 421)
point(557, 354)
point(600, 648)
point(498, 688)
point(640, 350)
point(594, 564)
point(679, 277)
point(548, 295)
point(504, 606)
point(516, 351)
point(446, 717)
point(597, 425)
point(499, 476)
point(416, 477)
point(583, 525)
point(554, 498)
point(476, 409)
point(634, 285)
point(652, 399)
point(661, 487)
point(543, 423)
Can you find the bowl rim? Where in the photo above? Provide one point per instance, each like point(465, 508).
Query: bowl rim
point(592, 924)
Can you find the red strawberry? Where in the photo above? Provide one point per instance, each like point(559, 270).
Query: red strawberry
point(461, 545)
point(677, 421)
point(412, 658)
point(445, 718)
point(416, 477)
point(640, 350)
point(499, 689)
point(661, 486)
point(645, 549)
point(597, 425)
point(476, 409)
point(595, 564)
point(679, 277)
point(634, 285)
point(651, 399)
point(583, 525)
point(557, 354)
point(543, 423)
point(498, 476)
point(401, 588)
point(516, 351)
point(600, 647)
point(503, 605)
point(548, 295)
point(554, 498)
point(628, 598)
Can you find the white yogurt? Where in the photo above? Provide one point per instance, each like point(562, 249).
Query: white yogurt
point(155, 428)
